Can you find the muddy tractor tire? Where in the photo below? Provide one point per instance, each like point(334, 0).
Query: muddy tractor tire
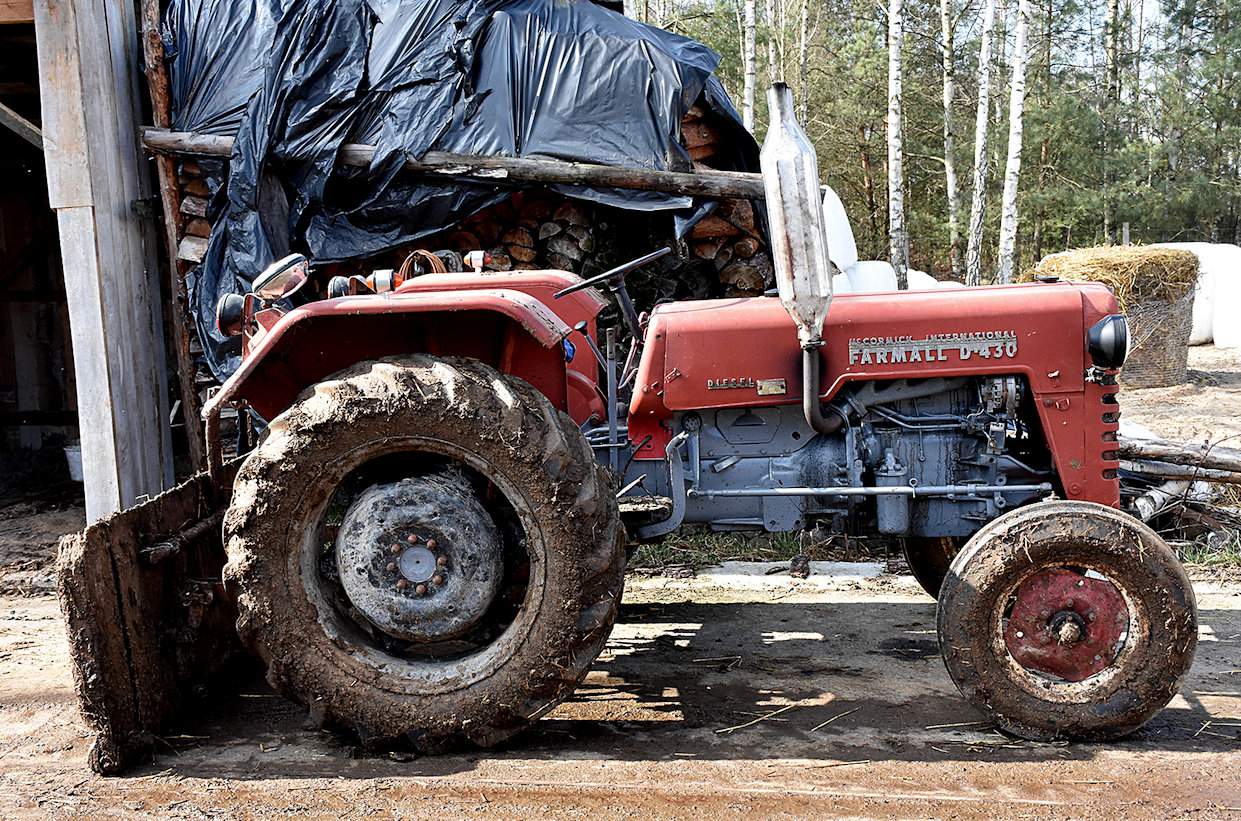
point(424, 551)
point(1067, 620)
point(929, 559)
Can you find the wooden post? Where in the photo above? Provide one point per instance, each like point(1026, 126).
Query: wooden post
point(707, 182)
point(170, 197)
point(89, 68)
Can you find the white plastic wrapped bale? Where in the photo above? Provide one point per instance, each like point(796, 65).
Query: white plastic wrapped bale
point(870, 276)
point(1217, 296)
point(920, 280)
point(841, 246)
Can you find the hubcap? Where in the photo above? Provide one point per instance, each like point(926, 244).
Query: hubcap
point(420, 559)
point(417, 564)
point(1065, 624)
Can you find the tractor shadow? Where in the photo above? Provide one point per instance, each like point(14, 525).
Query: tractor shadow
point(713, 682)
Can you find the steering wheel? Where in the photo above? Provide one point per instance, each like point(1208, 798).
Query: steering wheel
point(615, 280)
point(617, 273)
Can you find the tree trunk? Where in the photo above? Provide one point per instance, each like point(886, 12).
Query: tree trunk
point(773, 65)
point(1012, 169)
point(1111, 49)
point(1193, 454)
point(751, 70)
point(803, 62)
point(978, 204)
point(950, 163)
point(868, 184)
point(898, 239)
point(1044, 149)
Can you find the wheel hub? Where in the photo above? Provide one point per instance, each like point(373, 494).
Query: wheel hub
point(1066, 624)
point(420, 559)
point(416, 564)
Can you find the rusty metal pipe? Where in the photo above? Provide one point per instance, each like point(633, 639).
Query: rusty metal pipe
point(810, 387)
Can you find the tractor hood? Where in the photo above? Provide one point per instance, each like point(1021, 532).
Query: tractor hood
point(745, 352)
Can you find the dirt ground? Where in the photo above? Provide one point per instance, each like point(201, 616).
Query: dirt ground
point(669, 723)
point(679, 717)
point(1208, 406)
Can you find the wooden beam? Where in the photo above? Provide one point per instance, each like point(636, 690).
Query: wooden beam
point(16, 11)
point(174, 227)
point(89, 68)
point(706, 183)
point(20, 126)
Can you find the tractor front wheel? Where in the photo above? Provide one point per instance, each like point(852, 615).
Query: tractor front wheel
point(1067, 620)
point(424, 549)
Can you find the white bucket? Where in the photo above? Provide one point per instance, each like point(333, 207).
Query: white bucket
point(73, 455)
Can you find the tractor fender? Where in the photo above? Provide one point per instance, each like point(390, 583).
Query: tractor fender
point(508, 329)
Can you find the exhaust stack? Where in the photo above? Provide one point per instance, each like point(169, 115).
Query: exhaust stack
point(795, 213)
point(798, 241)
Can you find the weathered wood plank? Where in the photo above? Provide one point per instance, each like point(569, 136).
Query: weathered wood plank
point(709, 183)
point(95, 168)
point(20, 126)
point(16, 11)
point(174, 227)
point(147, 623)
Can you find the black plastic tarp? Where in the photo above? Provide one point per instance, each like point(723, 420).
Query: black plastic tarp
point(295, 80)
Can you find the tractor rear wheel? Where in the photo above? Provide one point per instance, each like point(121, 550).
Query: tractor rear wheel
point(424, 549)
point(1067, 620)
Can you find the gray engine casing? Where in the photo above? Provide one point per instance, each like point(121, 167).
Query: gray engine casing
point(951, 438)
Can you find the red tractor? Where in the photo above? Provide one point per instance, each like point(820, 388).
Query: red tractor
point(429, 541)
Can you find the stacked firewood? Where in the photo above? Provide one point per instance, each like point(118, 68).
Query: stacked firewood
point(538, 228)
point(194, 229)
point(532, 229)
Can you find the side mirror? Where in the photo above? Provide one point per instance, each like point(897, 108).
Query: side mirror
point(282, 278)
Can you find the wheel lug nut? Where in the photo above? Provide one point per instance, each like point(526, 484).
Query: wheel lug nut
point(412, 538)
point(437, 579)
point(391, 567)
point(442, 561)
point(432, 544)
point(401, 584)
point(421, 590)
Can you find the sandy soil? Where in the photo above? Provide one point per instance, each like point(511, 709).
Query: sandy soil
point(666, 725)
point(1208, 406)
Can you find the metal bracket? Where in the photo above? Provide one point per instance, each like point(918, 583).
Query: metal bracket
point(676, 485)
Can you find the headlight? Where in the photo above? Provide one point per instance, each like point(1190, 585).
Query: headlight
point(230, 314)
point(1108, 341)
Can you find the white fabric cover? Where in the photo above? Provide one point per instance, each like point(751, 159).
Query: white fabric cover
point(841, 246)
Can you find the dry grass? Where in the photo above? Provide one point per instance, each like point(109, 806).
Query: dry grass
point(699, 547)
point(1135, 273)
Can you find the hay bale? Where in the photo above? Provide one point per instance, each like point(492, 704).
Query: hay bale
point(1155, 288)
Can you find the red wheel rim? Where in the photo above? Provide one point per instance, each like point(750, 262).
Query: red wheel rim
point(1065, 624)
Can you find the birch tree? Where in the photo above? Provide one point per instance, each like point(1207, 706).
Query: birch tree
point(803, 62)
point(950, 164)
point(773, 64)
point(978, 203)
point(898, 237)
point(747, 93)
point(1012, 169)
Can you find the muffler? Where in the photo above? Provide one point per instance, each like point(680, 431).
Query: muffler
point(798, 241)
